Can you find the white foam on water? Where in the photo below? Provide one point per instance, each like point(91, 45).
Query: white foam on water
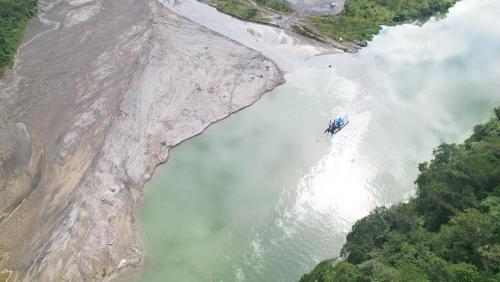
point(340, 183)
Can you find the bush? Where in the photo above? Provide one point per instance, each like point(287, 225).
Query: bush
point(239, 8)
point(361, 19)
point(277, 5)
point(14, 17)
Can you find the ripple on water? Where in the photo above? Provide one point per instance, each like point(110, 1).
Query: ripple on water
point(274, 198)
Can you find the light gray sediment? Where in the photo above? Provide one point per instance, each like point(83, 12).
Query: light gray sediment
point(104, 96)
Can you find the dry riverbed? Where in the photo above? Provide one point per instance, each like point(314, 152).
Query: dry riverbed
point(99, 93)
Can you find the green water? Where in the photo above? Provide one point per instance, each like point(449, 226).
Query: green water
point(262, 196)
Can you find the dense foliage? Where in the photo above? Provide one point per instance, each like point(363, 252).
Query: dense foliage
point(361, 19)
point(449, 232)
point(14, 16)
point(277, 5)
point(246, 10)
point(239, 8)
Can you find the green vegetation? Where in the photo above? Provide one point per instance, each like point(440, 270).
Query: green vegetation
point(239, 8)
point(14, 16)
point(303, 30)
point(449, 232)
point(277, 5)
point(245, 10)
point(361, 19)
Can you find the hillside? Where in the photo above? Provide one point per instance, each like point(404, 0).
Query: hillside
point(449, 232)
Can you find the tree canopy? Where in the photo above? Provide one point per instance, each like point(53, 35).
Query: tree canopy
point(14, 16)
point(450, 231)
point(361, 19)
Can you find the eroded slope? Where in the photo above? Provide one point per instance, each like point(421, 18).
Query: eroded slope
point(105, 91)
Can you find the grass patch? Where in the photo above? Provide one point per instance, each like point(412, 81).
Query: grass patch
point(300, 29)
point(361, 19)
point(14, 17)
point(239, 8)
point(277, 5)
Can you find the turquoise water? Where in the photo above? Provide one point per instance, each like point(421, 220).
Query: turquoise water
point(263, 196)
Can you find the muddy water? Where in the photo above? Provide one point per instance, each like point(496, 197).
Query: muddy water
point(263, 196)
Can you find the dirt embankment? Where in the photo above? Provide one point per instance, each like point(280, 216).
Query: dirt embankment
point(97, 97)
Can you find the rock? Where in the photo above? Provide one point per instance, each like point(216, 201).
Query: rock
point(360, 43)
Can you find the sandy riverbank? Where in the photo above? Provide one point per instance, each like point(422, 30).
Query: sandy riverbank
point(104, 95)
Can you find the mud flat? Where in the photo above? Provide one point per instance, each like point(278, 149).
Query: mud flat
point(88, 111)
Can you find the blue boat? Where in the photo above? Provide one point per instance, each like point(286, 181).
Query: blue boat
point(336, 125)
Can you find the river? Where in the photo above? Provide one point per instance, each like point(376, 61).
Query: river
point(263, 196)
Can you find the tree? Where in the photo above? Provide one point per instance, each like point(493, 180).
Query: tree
point(449, 232)
point(461, 239)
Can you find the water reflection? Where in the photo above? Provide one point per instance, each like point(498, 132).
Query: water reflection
point(258, 198)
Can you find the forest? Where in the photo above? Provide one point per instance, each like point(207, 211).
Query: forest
point(360, 20)
point(14, 17)
point(450, 231)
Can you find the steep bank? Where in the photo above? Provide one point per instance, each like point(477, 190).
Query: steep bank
point(448, 232)
point(104, 95)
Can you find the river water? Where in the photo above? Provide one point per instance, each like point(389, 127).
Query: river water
point(263, 196)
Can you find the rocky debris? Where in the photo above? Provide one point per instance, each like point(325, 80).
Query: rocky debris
point(19, 170)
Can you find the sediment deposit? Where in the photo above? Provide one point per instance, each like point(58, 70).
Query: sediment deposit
point(99, 93)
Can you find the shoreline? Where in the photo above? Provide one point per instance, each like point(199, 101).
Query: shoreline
point(144, 191)
point(96, 161)
point(109, 126)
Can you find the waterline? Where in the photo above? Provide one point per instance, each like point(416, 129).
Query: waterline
point(258, 198)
